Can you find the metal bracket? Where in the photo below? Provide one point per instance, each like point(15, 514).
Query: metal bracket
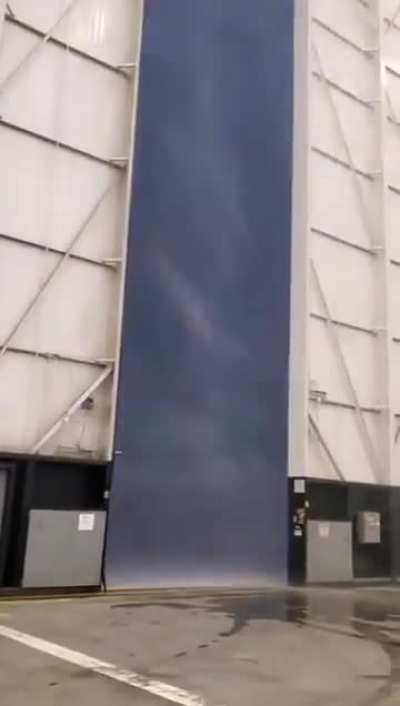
point(66, 416)
point(392, 19)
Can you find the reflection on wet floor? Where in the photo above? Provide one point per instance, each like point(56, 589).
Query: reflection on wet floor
point(366, 614)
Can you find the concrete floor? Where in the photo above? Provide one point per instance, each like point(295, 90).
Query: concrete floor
point(328, 647)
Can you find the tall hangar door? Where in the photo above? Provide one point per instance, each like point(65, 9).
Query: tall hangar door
point(199, 494)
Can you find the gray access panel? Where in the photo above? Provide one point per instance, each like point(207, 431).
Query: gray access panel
point(64, 548)
point(369, 528)
point(329, 552)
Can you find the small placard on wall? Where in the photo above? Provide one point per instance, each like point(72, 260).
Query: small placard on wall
point(324, 530)
point(299, 485)
point(86, 522)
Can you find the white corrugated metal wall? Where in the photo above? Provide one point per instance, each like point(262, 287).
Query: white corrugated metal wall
point(68, 88)
point(345, 356)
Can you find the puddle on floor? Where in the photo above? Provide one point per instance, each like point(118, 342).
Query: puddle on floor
point(372, 614)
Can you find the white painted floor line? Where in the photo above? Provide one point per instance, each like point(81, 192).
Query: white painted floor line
point(157, 688)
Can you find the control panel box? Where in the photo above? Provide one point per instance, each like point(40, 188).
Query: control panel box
point(369, 528)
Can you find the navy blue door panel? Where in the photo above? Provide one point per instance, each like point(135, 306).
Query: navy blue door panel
point(200, 486)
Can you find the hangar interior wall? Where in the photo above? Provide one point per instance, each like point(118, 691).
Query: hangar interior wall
point(345, 406)
point(68, 85)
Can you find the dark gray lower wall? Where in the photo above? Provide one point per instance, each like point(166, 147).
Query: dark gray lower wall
point(334, 501)
point(29, 484)
point(199, 492)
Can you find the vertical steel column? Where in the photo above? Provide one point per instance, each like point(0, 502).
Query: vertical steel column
point(135, 67)
point(385, 334)
point(3, 6)
point(300, 257)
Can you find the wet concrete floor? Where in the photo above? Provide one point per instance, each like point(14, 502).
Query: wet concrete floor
point(319, 646)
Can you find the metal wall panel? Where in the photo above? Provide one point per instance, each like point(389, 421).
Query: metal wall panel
point(200, 485)
point(346, 302)
point(68, 78)
point(64, 548)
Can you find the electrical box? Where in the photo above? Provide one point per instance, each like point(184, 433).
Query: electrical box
point(369, 528)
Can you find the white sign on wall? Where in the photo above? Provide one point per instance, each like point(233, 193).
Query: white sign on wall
point(86, 522)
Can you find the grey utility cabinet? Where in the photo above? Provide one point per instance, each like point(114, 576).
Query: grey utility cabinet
point(64, 548)
point(329, 551)
point(369, 528)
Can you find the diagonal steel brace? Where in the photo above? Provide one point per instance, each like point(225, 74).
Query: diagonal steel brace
point(317, 432)
point(346, 146)
point(36, 47)
point(53, 272)
point(66, 416)
point(363, 429)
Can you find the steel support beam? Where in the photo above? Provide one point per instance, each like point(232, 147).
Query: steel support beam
point(342, 241)
point(393, 25)
point(114, 163)
point(129, 194)
point(118, 70)
point(66, 416)
point(299, 362)
point(329, 402)
point(357, 171)
point(108, 263)
point(62, 357)
point(342, 37)
point(345, 324)
point(320, 437)
point(365, 437)
point(347, 243)
point(392, 70)
point(344, 91)
point(391, 21)
point(53, 272)
point(36, 47)
point(343, 138)
point(383, 261)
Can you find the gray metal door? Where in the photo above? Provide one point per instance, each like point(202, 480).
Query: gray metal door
point(64, 549)
point(329, 551)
